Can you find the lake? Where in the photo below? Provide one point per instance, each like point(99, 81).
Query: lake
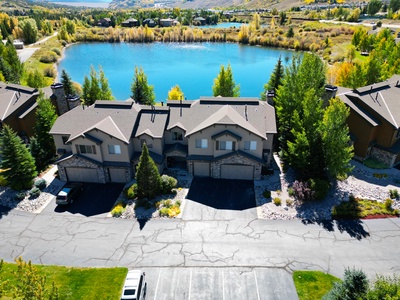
point(192, 66)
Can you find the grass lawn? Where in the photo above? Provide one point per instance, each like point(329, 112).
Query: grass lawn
point(313, 285)
point(361, 208)
point(374, 164)
point(76, 283)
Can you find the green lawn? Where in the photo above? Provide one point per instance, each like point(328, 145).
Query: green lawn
point(76, 283)
point(313, 285)
point(361, 208)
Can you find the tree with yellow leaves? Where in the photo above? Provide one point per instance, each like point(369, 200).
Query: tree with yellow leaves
point(175, 93)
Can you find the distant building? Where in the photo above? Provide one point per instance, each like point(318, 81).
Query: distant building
point(105, 22)
point(18, 44)
point(131, 22)
point(199, 21)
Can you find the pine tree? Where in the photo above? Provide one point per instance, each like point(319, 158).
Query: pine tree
point(336, 139)
point(42, 146)
point(105, 91)
point(142, 92)
point(67, 83)
point(95, 87)
point(147, 176)
point(224, 84)
point(17, 162)
point(275, 80)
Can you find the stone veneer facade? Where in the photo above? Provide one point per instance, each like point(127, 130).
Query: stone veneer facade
point(77, 162)
point(383, 156)
point(236, 159)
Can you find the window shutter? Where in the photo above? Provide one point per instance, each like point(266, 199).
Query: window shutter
point(233, 146)
point(216, 145)
point(94, 149)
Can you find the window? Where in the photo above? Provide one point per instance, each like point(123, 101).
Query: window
point(201, 143)
point(114, 149)
point(86, 149)
point(250, 145)
point(225, 145)
point(177, 136)
point(64, 139)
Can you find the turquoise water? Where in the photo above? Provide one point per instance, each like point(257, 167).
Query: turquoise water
point(192, 66)
point(223, 25)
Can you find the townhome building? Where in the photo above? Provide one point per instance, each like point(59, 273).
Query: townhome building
point(216, 137)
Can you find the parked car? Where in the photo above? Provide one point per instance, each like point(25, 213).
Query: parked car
point(135, 286)
point(68, 193)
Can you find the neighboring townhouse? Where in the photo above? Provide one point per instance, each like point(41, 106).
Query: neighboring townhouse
point(374, 120)
point(216, 137)
point(131, 22)
point(18, 107)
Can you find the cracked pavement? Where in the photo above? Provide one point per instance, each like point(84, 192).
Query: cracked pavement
point(241, 243)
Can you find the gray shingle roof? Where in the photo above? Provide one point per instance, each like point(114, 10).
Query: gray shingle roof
point(152, 121)
point(13, 96)
point(382, 98)
point(205, 112)
point(116, 118)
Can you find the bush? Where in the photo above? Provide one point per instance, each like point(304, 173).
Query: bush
point(20, 196)
point(50, 72)
point(34, 193)
point(143, 202)
point(49, 57)
point(277, 201)
point(319, 188)
point(56, 51)
point(118, 209)
point(394, 194)
point(3, 180)
point(131, 192)
point(291, 192)
point(388, 204)
point(170, 212)
point(354, 286)
point(302, 191)
point(178, 203)
point(267, 194)
point(40, 184)
point(289, 202)
point(64, 43)
point(167, 184)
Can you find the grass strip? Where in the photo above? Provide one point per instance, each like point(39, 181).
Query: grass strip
point(313, 285)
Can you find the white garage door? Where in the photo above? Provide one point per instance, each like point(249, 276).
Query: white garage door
point(237, 172)
point(201, 169)
point(82, 174)
point(117, 175)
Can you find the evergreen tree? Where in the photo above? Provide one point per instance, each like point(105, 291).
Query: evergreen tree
point(67, 83)
point(142, 92)
point(336, 139)
point(17, 162)
point(105, 91)
point(95, 87)
point(176, 93)
point(43, 148)
point(30, 31)
point(353, 287)
point(275, 80)
point(373, 7)
point(35, 79)
point(224, 84)
point(148, 178)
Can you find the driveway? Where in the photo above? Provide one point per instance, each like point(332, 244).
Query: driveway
point(225, 199)
point(95, 200)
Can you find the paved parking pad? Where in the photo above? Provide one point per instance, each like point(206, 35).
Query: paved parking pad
point(219, 283)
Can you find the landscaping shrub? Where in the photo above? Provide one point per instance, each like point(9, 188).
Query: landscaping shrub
point(374, 164)
point(319, 188)
point(302, 191)
point(64, 43)
point(354, 286)
point(388, 204)
point(3, 181)
point(380, 175)
point(170, 212)
point(40, 184)
point(20, 196)
point(48, 57)
point(131, 192)
point(267, 194)
point(289, 202)
point(291, 192)
point(277, 201)
point(143, 202)
point(34, 193)
point(178, 203)
point(167, 184)
point(118, 209)
point(394, 194)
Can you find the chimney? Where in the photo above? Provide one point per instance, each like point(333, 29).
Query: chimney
point(245, 111)
point(180, 107)
point(270, 97)
point(60, 99)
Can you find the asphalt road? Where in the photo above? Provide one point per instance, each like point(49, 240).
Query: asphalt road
point(73, 240)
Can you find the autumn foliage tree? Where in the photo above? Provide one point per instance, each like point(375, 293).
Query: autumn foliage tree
point(175, 93)
point(224, 84)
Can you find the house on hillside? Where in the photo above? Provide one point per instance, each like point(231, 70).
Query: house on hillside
point(18, 107)
point(199, 21)
point(149, 23)
point(168, 22)
point(374, 120)
point(131, 22)
point(104, 22)
point(214, 137)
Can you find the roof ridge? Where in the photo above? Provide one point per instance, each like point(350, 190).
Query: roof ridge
point(390, 113)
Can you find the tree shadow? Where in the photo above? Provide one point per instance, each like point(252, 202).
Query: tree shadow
point(4, 210)
point(381, 177)
point(142, 222)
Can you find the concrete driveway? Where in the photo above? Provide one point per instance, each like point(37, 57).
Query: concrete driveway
point(95, 200)
point(222, 199)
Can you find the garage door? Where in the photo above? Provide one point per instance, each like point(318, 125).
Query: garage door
point(82, 174)
point(117, 175)
point(237, 172)
point(201, 169)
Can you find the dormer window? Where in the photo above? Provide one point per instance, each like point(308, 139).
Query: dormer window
point(177, 136)
point(86, 149)
point(225, 145)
